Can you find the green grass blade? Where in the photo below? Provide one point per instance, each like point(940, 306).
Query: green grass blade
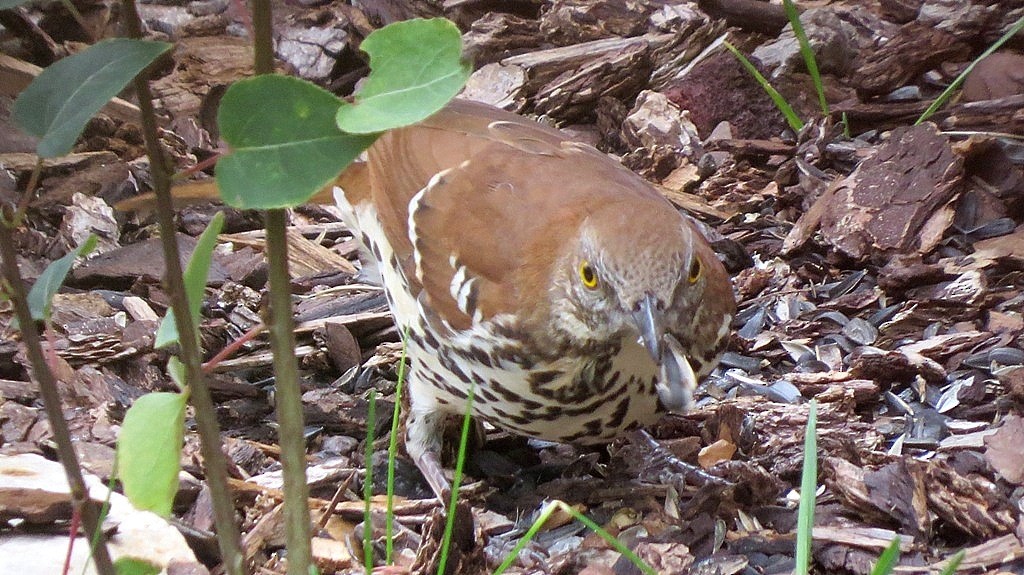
point(887, 560)
point(792, 119)
point(954, 563)
point(449, 524)
point(543, 517)
point(389, 520)
point(945, 95)
point(808, 487)
point(805, 50)
point(371, 425)
point(633, 558)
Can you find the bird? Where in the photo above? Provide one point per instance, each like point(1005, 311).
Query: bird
point(542, 284)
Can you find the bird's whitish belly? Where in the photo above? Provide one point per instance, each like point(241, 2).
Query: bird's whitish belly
point(568, 400)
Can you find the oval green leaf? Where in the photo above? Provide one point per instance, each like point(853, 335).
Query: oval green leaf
point(134, 566)
point(149, 451)
point(416, 68)
point(57, 104)
point(195, 276)
point(40, 297)
point(285, 144)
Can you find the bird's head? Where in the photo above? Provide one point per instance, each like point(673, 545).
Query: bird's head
point(644, 272)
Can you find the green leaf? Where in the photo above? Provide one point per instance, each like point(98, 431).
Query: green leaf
point(133, 566)
point(417, 67)
point(149, 451)
point(285, 143)
point(40, 297)
point(57, 104)
point(195, 281)
point(887, 560)
point(176, 370)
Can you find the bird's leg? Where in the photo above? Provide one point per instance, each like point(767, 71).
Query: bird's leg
point(423, 442)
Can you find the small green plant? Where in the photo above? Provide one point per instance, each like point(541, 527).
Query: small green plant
point(149, 445)
point(40, 297)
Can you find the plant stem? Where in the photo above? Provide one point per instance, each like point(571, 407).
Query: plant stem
point(214, 461)
point(282, 344)
point(289, 399)
point(87, 509)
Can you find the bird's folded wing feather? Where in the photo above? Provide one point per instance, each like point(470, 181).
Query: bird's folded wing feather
point(501, 195)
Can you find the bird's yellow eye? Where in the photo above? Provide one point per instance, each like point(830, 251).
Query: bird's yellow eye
point(587, 275)
point(695, 270)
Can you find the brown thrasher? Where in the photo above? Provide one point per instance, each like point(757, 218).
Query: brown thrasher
point(571, 296)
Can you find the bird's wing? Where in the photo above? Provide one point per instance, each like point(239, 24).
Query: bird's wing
point(494, 199)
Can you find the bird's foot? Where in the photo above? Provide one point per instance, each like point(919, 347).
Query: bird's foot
point(430, 466)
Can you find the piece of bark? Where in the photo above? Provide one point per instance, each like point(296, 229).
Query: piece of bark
point(1003, 450)
point(567, 22)
point(342, 348)
point(544, 66)
point(620, 74)
point(141, 261)
point(895, 202)
point(748, 14)
point(997, 76)
point(972, 504)
point(499, 35)
point(911, 51)
point(306, 257)
point(37, 42)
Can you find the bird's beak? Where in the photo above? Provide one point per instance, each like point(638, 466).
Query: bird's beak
point(677, 382)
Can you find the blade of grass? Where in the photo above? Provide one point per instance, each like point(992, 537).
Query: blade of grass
point(808, 487)
point(389, 520)
point(371, 425)
point(945, 95)
point(887, 560)
point(460, 461)
point(954, 563)
point(805, 50)
point(792, 119)
point(543, 517)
